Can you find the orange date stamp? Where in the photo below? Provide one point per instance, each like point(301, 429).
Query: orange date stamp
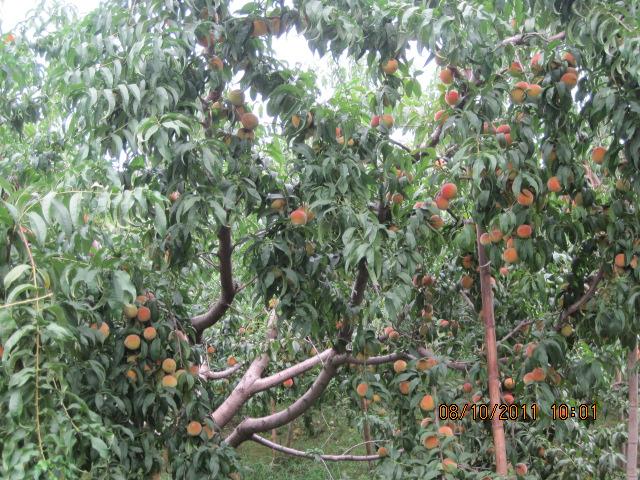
point(482, 411)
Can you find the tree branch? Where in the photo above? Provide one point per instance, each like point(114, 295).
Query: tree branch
point(520, 326)
point(522, 38)
point(249, 426)
point(211, 375)
point(298, 453)
point(277, 378)
point(584, 299)
point(392, 357)
point(228, 286)
point(242, 390)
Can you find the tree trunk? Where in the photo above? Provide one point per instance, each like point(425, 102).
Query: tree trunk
point(367, 432)
point(290, 434)
point(632, 444)
point(274, 432)
point(497, 426)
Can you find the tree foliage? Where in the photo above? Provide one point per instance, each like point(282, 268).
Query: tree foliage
point(134, 176)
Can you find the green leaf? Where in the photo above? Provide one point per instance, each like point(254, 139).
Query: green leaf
point(14, 274)
point(100, 447)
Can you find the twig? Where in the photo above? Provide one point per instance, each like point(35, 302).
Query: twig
point(298, 453)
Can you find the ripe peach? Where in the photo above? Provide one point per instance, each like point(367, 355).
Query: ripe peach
point(375, 121)
point(508, 398)
point(169, 381)
point(536, 63)
point(144, 314)
point(194, 428)
point(518, 93)
point(427, 403)
point(495, 235)
point(503, 129)
point(521, 469)
point(436, 221)
point(298, 217)
point(524, 231)
point(249, 121)
point(597, 154)
point(149, 333)
point(449, 191)
point(525, 198)
point(288, 383)
point(399, 366)
point(174, 196)
point(569, 58)
point(466, 281)
point(132, 342)
point(620, 260)
point(441, 116)
point(467, 387)
point(169, 365)
point(534, 90)
point(441, 202)
point(504, 271)
point(569, 79)
point(485, 239)
point(538, 374)
point(362, 389)
point(103, 329)
point(387, 120)
point(445, 431)
point(452, 97)
point(430, 442)
point(509, 383)
point(216, 63)
point(404, 388)
point(446, 76)
point(278, 204)
point(132, 375)
point(397, 198)
point(449, 465)
point(510, 255)
point(259, 28)
point(428, 281)
point(390, 66)
point(515, 68)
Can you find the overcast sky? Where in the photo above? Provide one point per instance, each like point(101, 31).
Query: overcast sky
point(287, 47)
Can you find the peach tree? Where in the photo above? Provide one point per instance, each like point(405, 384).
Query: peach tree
point(189, 232)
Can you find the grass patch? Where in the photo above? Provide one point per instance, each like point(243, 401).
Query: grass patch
point(333, 435)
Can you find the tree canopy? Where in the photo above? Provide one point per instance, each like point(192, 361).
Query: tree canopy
point(187, 230)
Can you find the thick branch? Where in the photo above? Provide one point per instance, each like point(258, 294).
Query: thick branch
point(242, 391)
point(228, 287)
point(249, 426)
point(392, 357)
point(277, 378)
point(298, 453)
point(497, 426)
point(585, 298)
point(632, 427)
